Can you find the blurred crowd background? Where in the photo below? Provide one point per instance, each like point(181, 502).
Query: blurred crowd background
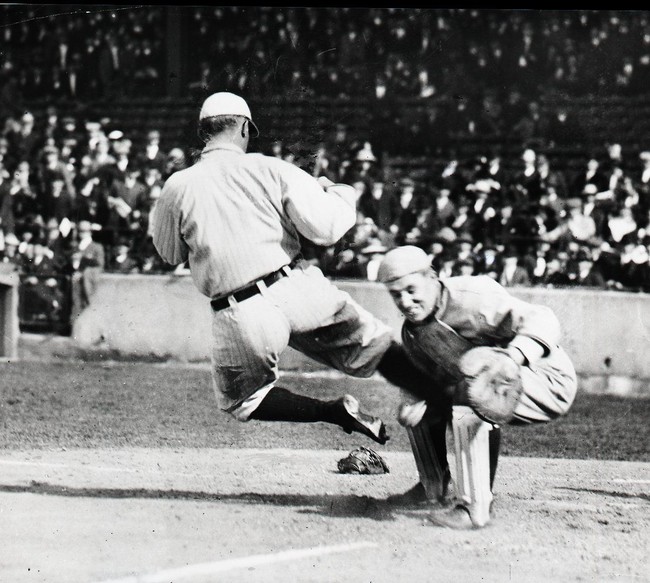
point(512, 143)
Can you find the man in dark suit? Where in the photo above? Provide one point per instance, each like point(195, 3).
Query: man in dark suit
point(151, 155)
point(87, 263)
point(407, 211)
point(379, 204)
point(587, 273)
point(513, 273)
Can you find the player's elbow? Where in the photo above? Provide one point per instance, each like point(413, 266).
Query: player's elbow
point(325, 239)
point(548, 325)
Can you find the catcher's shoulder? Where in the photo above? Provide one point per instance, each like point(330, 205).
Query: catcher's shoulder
point(472, 283)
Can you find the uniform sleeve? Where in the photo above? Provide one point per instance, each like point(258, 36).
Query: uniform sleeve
point(321, 215)
point(167, 238)
point(526, 324)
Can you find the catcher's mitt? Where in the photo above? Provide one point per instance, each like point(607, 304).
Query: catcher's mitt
point(363, 460)
point(493, 383)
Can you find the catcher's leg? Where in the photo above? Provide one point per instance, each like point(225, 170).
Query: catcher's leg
point(426, 432)
point(495, 446)
point(471, 473)
point(427, 441)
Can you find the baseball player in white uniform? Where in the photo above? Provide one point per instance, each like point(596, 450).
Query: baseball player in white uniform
point(236, 217)
point(493, 360)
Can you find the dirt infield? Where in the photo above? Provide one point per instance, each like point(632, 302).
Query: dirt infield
point(277, 515)
point(129, 473)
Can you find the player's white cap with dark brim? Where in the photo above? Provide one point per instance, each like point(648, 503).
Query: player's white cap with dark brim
point(402, 261)
point(225, 103)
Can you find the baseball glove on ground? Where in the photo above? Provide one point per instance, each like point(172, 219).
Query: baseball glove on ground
point(493, 383)
point(363, 460)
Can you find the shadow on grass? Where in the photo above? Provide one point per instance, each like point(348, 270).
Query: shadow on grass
point(330, 505)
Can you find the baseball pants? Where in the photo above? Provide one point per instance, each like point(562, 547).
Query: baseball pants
point(303, 310)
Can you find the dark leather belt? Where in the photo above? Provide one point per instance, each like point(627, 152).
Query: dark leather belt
point(249, 291)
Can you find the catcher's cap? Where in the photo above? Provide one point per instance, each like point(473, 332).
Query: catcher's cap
point(225, 103)
point(402, 261)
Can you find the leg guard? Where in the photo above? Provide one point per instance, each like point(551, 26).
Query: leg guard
point(427, 440)
point(469, 462)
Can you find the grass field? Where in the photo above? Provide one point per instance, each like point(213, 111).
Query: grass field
point(152, 405)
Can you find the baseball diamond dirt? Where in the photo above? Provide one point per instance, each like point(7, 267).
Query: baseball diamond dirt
point(118, 472)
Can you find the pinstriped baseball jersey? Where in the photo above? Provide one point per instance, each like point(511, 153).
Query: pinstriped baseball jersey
point(236, 217)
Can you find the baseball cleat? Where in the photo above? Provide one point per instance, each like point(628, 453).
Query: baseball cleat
point(417, 496)
point(458, 517)
point(351, 419)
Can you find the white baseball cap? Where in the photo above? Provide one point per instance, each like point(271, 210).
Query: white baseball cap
point(225, 103)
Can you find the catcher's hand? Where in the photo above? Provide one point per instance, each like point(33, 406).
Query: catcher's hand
point(493, 383)
point(362, 460)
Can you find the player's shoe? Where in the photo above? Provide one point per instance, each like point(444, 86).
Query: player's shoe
point(456, 517)
point(416, 497)
point(351, 419)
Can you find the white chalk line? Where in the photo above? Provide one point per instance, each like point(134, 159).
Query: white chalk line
point(28, 463)
point(202, 569)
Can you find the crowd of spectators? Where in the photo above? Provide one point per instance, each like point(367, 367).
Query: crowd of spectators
point(77, 193)
point(521, 221)
point(103, 51)
point(76, 200)
point(420, 53)
point(72, 52)
point(482, 73)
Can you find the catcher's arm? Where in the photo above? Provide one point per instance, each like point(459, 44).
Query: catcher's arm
point(525, 326)
point(525, 351)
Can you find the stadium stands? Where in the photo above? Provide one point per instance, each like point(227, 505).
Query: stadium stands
point(454, 100)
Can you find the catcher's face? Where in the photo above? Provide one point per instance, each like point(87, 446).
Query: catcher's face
point(415, 295)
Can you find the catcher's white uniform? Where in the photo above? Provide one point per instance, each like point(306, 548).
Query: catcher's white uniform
point(478, 343)
point(477, 311)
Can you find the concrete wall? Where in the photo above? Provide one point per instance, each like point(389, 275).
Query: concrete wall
point(163, 317)
point(9, 325)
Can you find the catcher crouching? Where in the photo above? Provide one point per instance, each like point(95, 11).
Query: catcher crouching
point(493, 360)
